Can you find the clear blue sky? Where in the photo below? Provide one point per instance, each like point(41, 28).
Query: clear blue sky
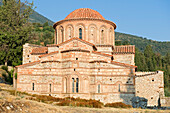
point(146, 18)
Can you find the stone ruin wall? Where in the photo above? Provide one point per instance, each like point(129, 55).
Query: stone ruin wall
point(150, 85)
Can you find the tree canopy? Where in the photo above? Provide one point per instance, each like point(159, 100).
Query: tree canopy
point(15, 30)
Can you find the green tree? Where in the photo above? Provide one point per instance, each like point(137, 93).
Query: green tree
point(15, 29)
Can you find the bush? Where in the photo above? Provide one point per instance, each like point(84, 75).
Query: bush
point(118, 105)
point(5, 68)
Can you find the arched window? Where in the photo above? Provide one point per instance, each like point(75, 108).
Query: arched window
point(80, 33)
point(33, 86)
point(77, 85)
point(98, 88)
point(102, 36)
point(73, 85)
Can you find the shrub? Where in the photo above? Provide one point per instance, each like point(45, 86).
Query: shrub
point(80, 102)
point(5, 68)
point(118, 105)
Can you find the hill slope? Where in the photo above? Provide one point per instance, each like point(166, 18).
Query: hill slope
point(37, 18)
point(141, 43)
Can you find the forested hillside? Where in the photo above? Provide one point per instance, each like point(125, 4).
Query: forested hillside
point(141, 43)
point(37, 18)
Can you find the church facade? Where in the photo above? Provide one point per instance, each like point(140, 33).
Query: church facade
point(84, 62)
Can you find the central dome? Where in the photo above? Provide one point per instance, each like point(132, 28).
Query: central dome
point(84, 13)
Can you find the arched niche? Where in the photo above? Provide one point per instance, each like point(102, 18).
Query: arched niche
point(103, 34)
point(69, 31)
point(61, 34)
point(110, 37)
point(92, 33)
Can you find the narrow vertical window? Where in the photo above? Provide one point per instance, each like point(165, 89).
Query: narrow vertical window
point(33, 86)
point(80, 33)
point(50, 87)
point(102, 37)
point(77, 85)
point(62, 35)
point(99, 88)
point(73, 85)
point(119, 87)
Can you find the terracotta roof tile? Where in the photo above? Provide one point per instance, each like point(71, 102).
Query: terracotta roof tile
point(49, 54)
point(102, 53)
point(84, 13)
point(39, 50)
point(114, 62)
point(31, 63)
point(124, 49)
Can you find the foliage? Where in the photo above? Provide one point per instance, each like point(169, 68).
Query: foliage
point(43, 34)
point(5, 68)
point(118, 105)
point(15, 30)
point(8, 75)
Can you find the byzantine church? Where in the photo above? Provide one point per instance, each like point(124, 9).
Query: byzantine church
point(84, 62)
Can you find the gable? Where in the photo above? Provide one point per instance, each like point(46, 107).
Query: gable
point(76, 43)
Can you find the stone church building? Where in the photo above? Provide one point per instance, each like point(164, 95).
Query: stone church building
point(84, 62)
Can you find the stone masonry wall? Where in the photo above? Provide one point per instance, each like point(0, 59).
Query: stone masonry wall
point(149, 85)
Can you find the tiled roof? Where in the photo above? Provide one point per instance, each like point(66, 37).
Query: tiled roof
point(28, 64)
point(114, 62)
point(40, 50)
point(84, 13)
point(124, 49)
point(49, 54)
point(102, 53)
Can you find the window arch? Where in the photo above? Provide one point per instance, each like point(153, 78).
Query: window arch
point(80, 33)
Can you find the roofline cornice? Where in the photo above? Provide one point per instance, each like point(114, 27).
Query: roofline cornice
point(107, 21)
